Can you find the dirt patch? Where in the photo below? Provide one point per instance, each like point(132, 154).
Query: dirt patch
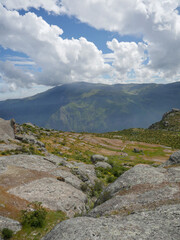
point(116, 144)
point(10, 205)
point(15, 176)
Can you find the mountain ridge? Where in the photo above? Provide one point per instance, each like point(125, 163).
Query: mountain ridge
point(93, 107)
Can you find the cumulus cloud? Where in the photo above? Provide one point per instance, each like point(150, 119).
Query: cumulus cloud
point(48, 5)
point(127, 55)
point(67, 60)
point(60, 60)
point(156, 21)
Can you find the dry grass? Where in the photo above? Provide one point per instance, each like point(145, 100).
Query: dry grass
point(11, 205)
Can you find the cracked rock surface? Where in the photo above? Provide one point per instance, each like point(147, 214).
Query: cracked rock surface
point(160, 224)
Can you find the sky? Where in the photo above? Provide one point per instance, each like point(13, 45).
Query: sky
point(46, 43)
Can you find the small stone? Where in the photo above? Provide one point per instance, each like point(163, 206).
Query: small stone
point(103, 165)
point(98, 158)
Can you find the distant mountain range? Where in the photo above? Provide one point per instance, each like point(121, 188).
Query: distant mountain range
point(95, 107)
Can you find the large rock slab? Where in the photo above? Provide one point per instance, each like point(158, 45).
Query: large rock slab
point(159, 224)
point(55, 159)
point(174, 174)
point(68, 177)
point(6, 130)
point(15, 226)
point(142, 187)
point(140, 174)
point(53, 194)
point(139, 198)
point(33, 162)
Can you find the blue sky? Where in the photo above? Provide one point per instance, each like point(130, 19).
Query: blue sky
point(46, 43)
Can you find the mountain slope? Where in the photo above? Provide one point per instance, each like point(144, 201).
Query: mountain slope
point(95, 107)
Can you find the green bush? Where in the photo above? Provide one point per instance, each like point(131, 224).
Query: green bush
point(34, 218)
point(7, 233)
point(106, 195)
point(96, 189)
point(111, 179)
point(84, 187)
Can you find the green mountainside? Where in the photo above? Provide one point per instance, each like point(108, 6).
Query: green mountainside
point(95, 107)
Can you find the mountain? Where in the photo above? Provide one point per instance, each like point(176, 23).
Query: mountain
point(95, 107)
point(170, 121)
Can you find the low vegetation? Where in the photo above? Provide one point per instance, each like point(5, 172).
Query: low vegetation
point(7, 233)
point(35, 227)
point(35, 216)
point(166, 138)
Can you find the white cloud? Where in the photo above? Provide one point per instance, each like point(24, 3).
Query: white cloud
point(48, 5)
point(14, 76)
point(63, 60)
point(6, 91)
point(60, 60)
point(127, 55)
point(156, 21)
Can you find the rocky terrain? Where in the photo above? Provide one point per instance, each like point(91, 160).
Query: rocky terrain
point(170, 121)
point(92, 187)
point(143, 203)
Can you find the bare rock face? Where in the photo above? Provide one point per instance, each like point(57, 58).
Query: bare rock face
point(29, 139)
point(9, 147)
point(53, 194)
point(159, 224)
point(173, 160)
point(32, 162)
point(6, 130)
point(68, 177)
point(86, 172)
point(15, 226)
point(144, 204)
point(46, 183)
point(140, 174)
point(136, 199)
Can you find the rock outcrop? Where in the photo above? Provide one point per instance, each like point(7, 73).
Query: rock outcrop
point(86, 172)
point(170, 121)
point(159, 224)
point(140, 174)
point(15, 226)
point(143, 203)
point(173, 160)
point(6, 130)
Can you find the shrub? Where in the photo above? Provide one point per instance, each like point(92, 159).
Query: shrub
point(84, 187)
point(34, 218)
point(96, 189)
point(103, 198)
point(111, 179)
point(7, 233)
